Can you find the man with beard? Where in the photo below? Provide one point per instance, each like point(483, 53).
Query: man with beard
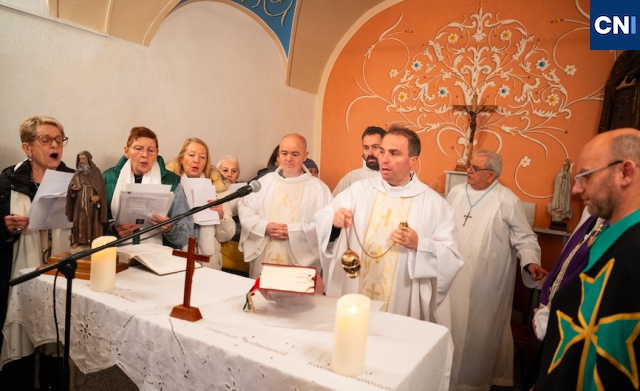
point(594, 321)
point(85, 200)
point(371, 139)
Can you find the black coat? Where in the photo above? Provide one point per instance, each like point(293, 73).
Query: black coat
point(20, 181)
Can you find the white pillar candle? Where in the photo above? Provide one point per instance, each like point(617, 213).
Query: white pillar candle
point(103, 265)
point(350, 336)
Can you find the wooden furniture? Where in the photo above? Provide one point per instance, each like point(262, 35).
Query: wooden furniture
point(525, 343)
point(83, 270)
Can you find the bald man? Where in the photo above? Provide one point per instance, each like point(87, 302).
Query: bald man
point(278, 222)
point(592, 338)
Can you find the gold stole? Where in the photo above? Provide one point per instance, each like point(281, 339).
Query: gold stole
point(378, 274)
point(285, 208)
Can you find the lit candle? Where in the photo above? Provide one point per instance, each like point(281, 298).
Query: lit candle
point(350, 339)
point(103, 265)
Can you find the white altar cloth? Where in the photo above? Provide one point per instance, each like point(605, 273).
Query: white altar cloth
point(228, 349)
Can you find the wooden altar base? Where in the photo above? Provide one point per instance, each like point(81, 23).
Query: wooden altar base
point(190, 314)
point(83, 271)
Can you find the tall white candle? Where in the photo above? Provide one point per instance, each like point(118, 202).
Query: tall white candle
point(103, 265)
point(350, 336)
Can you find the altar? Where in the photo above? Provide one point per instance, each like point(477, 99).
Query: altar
point(229, 348)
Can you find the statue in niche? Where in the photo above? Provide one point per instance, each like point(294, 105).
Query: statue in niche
point(621, 105)
point(560, 206)
point(85, 203)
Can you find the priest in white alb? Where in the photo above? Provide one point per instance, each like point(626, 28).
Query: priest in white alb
point(401, 229)
point(492, 232)
point(278, 222)
point(371, 139)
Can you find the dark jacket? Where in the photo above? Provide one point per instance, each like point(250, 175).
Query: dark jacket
point(20, 181)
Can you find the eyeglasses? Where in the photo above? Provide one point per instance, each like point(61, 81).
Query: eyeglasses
point(46, 140)
point(140, 149)
point(475, 169)
point(586, 174)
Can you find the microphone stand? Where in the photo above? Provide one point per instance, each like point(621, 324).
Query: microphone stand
point(67, 266)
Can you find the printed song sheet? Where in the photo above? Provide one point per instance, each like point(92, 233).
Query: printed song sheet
point(48, 206)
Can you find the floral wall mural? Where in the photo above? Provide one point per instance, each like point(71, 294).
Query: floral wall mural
point(413, 63)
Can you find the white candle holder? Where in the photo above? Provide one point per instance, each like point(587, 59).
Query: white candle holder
point(350, 336)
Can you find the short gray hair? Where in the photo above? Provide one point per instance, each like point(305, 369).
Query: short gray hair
point(230, 158)
point(494, 161)
point(626, 146)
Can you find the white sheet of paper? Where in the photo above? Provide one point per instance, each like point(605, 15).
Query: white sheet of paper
point(48, 206)
point(189, 184)
point(201, 197)
point(198, 191)
point(139, 207)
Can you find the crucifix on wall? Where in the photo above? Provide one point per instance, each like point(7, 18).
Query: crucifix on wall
point(185, 311)
point(473, 110)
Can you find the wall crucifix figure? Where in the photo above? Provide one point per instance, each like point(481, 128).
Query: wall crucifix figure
point(473, 110)
point(185, 311)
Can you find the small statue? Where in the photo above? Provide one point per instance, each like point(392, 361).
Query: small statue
point(560, 206)
point(86, 200)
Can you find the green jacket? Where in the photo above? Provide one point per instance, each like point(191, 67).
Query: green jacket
point(179, 234)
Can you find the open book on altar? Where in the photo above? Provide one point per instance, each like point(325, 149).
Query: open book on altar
point(156, 257)
point(290, 278)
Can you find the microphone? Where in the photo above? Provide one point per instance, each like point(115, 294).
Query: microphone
point(253, 186)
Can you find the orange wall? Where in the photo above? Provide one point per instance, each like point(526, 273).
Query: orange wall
point(390, 72)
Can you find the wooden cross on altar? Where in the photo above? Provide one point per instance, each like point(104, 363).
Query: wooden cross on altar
point(473, 110)
point(185, 311)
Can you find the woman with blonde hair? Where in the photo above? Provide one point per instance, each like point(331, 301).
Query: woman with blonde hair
point(189, 146)
point(193, 161)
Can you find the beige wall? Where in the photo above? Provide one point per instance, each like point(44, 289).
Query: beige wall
point(210, 72)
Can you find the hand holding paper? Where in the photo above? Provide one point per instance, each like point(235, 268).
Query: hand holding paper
point(200, 191)
point(158, 219)
point(125, 229)
point(217, 208)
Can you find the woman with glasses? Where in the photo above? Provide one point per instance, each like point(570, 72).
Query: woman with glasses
point(142, 163)
point(43, 140)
